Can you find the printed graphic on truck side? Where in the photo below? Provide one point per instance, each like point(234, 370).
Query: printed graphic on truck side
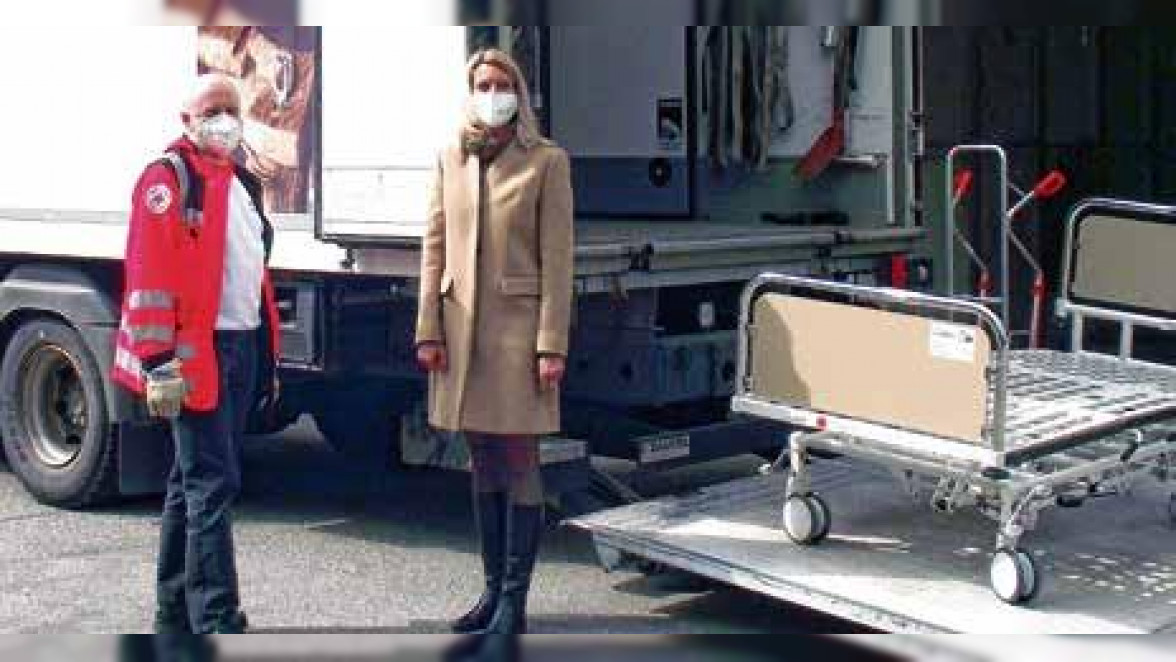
point(277, 71)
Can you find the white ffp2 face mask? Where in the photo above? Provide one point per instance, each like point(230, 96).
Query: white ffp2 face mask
point(221, 134)
point(496, 109)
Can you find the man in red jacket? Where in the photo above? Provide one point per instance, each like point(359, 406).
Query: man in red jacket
point(198, 337)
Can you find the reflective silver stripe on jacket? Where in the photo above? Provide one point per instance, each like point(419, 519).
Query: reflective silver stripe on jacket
point(159, 334)
point(128, 362)
point(185, 352)
point(152, 300)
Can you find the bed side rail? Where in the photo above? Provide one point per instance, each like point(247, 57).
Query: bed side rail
point(922, 363)
point(1119, 268)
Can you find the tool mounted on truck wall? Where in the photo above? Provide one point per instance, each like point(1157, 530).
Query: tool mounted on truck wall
point(831, 143)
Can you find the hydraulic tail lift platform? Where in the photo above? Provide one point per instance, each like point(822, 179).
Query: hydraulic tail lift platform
point(1110, 570)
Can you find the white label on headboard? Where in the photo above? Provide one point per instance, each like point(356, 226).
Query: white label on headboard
point(952, 342)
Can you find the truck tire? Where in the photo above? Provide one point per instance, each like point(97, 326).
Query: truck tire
point(360, 424)
point(53, 419)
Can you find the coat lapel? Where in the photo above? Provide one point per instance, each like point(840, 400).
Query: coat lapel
point(473, 181)
point(473, 186)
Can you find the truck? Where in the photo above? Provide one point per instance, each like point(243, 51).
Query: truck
point(686, 181)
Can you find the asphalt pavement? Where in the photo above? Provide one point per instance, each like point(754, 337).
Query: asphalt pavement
point(329, 547)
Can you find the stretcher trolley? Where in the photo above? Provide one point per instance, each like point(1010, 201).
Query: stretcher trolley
point(929, 387)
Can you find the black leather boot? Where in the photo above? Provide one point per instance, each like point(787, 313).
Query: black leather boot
point(490, 512)
point(502, 637)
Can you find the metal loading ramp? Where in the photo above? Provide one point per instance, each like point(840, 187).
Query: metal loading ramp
point(890, 565)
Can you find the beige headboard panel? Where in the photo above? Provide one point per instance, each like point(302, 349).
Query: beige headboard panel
point(874, 365)
point(1126, 262)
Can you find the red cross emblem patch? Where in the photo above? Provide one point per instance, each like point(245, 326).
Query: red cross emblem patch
point(158, 199)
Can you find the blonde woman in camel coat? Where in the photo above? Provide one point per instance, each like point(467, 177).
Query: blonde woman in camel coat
point(495, 301)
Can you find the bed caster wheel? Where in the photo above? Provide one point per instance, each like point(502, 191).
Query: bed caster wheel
point(807, 519)
point(825, 516)
point(1015, 576)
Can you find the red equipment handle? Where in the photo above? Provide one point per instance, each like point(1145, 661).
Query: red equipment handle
point(984, 286)
point(1050, 186)
point(1037, 325)
point(963, 184)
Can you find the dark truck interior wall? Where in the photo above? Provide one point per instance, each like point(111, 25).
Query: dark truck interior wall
point(1096, 102)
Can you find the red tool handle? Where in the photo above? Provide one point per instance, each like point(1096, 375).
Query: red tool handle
point(963, 184)
point(1036, 335)
point(1050, 186)
point(984, 287)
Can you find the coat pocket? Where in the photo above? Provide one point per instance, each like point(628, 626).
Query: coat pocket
point(520, 286)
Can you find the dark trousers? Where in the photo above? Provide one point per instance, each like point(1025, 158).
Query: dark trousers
point(197, 573)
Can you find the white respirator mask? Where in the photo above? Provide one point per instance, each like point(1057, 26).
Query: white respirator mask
point(496, 109)
point(221, 134)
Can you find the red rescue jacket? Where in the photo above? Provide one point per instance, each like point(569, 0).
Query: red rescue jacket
point(173, 276)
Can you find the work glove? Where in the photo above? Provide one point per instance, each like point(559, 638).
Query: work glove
point(166, 390)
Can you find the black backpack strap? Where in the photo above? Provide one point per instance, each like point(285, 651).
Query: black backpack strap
point(191, 188)
point(256, 192)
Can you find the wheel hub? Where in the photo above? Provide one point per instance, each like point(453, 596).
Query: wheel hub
point(53, 402)
point(1004, 576)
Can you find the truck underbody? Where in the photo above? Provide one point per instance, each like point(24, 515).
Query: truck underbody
point(653, 348)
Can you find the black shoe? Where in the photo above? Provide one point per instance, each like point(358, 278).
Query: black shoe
point(465, 649)
point(501, 642)
point(182, 648)
point(490, 512)
point(171, 621)
point(136, 648)
point(234, 623)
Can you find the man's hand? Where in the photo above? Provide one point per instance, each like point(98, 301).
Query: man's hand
point(433, 357)
point(551, 371)
point(166, 390)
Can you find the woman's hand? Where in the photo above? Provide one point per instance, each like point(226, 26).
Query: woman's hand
point(433, 357)
point(551, 371)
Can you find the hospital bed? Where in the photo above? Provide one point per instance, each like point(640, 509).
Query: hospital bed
point(931, 388)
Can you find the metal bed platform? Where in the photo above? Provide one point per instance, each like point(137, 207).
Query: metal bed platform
point(1061, 399)
point(931, 388)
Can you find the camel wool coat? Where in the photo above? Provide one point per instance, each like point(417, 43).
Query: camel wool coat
point(496, 287)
